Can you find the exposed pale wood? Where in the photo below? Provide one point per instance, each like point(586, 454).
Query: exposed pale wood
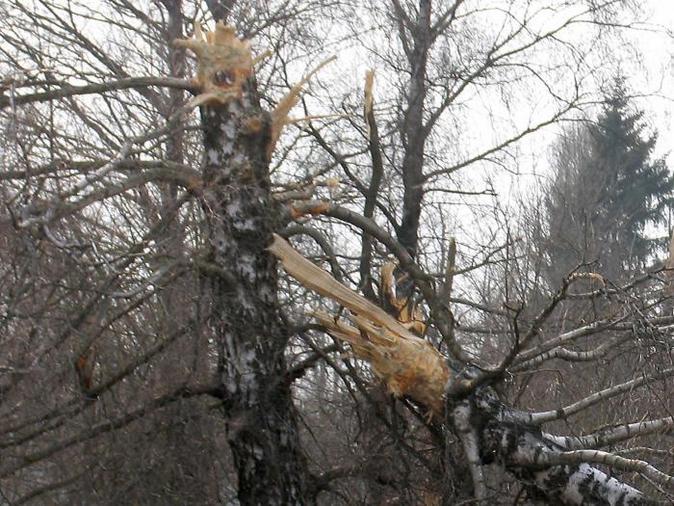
point(408, 365)
point(320, 281)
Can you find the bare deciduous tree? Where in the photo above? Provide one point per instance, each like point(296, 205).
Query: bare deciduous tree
point(153, 355)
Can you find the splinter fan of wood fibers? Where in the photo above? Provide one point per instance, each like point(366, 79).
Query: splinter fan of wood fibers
point(408, 365)
point(224, 63)
point(408, 314)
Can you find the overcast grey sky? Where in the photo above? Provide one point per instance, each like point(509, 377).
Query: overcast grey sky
point(658, 72)
point(647, 60)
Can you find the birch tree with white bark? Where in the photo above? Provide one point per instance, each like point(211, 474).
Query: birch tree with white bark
point(160, 158)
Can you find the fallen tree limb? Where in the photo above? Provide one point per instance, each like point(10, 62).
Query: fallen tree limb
point(489, 430)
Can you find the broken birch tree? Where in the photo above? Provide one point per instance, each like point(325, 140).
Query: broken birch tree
point(251, 335)
point(550, 467)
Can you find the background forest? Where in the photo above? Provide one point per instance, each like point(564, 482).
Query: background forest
point(494, 186)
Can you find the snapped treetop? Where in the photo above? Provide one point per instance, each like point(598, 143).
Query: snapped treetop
point(224, 61)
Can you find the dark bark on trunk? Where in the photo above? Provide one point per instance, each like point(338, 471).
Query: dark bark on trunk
point(413, 132)
point(246, 323)
point(220, 9)
point(370, 202)
point(175, 145)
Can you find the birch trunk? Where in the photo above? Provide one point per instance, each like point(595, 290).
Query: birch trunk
point(251, 336)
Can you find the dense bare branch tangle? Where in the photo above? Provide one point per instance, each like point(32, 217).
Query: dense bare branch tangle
point(154, 354)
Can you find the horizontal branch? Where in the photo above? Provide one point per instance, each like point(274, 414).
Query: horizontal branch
point(67, 90)
point(567, 337)
point(569, 355)
point(616, 434)
point(591, 400)
point(606, 458)
point(72, 168)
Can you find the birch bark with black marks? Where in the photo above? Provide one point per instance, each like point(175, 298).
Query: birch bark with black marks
point(251, 336)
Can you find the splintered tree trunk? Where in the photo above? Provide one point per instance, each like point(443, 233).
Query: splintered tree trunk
point(250, 334)
point(489, 430)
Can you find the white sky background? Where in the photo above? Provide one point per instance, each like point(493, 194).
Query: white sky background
point(653, 77)
point(649, 68)
point(646, 59)
point(658, 72)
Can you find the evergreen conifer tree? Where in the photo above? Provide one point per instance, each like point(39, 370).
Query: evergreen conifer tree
point(605, 192)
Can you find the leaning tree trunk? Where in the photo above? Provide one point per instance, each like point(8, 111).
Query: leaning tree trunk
point(489, 430)
point(250, 334)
